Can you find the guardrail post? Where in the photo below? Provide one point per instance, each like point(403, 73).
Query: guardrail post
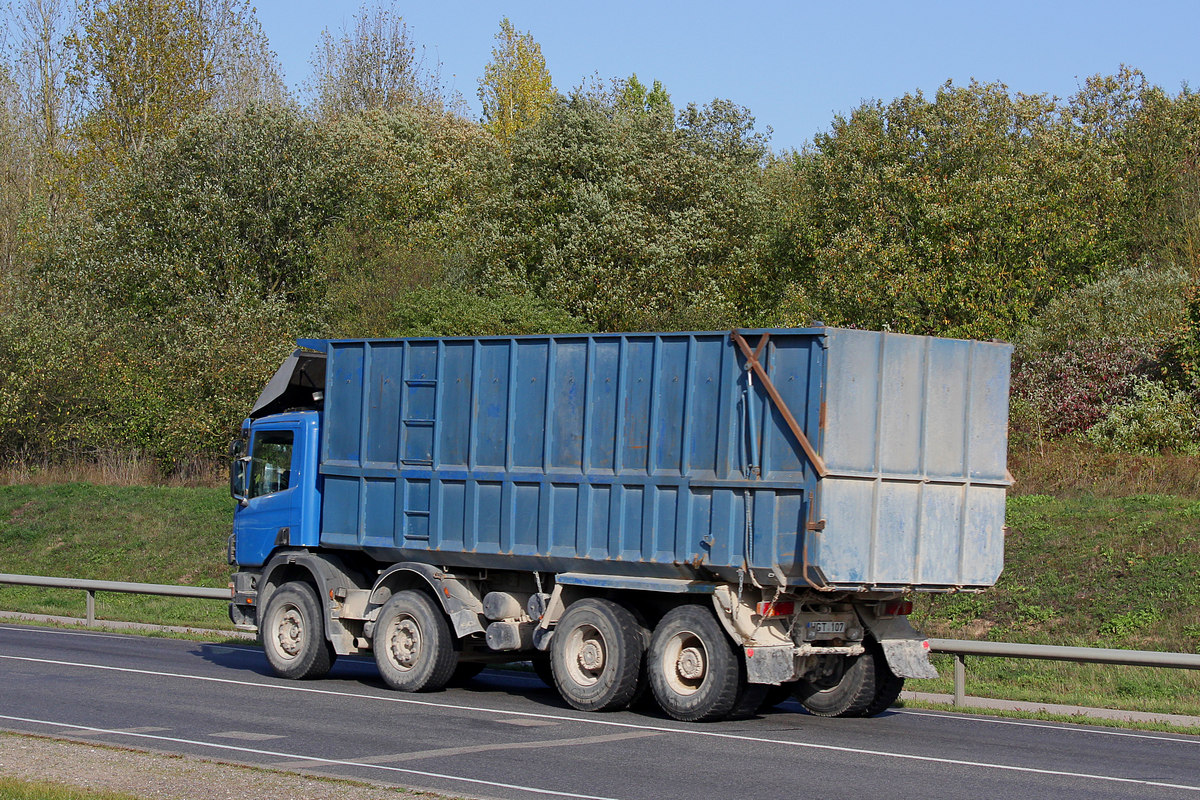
point(91, 607)
point(960, 679)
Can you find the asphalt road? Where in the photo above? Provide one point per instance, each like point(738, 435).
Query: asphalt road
point(506, 735)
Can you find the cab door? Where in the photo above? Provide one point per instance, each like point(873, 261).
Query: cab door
point(271, 512)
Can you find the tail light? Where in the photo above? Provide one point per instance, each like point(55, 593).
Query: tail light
point(784, 609)
point(896, 608)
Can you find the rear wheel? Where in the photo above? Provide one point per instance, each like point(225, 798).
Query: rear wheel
point(413, 645)
point(696, 672)
point(862, 686)
point(293, 633)
point(888, 684)
point(596, 655)
point(845, 690)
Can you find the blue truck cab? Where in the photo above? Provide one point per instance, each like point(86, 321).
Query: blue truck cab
point(726, 518)
point(277, 485)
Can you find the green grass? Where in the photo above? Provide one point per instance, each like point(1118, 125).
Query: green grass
point(1120, 572)
point(13, 789)
point(124, 533)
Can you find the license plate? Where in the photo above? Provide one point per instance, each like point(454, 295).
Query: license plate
point(827, 626)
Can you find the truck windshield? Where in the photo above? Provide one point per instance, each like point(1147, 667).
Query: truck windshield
point(270, 462)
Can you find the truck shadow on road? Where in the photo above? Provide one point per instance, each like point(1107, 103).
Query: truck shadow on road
point(496, 684)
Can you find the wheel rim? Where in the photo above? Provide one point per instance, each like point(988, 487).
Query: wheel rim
point(404, 643)
point(586, 655)
point(290, 631)
point(685, 663)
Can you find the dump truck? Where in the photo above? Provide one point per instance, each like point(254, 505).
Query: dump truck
point(716, 520)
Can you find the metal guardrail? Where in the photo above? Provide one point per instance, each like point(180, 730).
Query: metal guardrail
point(959, 648)
point(91, 587)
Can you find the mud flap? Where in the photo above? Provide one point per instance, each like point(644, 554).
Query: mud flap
point(771, 664)
point(906, 650)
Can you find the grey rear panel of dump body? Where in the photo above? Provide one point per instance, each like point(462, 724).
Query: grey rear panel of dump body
point(639, 454)
point(915, 444)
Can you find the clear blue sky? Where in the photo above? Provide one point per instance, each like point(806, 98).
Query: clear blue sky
point(793, 64)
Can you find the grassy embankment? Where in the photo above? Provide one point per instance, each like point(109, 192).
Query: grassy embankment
point(1101, 552)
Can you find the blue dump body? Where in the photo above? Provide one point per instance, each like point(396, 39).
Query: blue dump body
point(661, 456)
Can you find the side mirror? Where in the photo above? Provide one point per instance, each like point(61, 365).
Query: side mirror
point(238, 473)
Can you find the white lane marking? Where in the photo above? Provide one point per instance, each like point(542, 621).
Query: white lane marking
point(522, 675)
point(123, 636)
point(392, 758)
point(1049, 726)
point(631, 725)
point(307, 759)
point(144, 730)
point(61, 632)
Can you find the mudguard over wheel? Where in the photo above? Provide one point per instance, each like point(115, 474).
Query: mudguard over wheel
point(696, 672)
point(293, 633)
point(413, 646)
point(596, 655)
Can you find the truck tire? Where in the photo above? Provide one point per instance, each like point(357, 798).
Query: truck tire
point(596, 655)
point(848, 692)
point(888, 684)
point(696, 672)
point(412, 642)
point(293, 633)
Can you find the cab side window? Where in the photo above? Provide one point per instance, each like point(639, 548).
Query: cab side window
point(270, 462)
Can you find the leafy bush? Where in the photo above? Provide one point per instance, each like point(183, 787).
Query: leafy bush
point(1144, 302)
point(77, 380)
point(1069, 390)
point(1152, 420)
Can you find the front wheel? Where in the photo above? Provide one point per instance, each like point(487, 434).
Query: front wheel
point(696, 672)
point(413, 646)
point(293, 634)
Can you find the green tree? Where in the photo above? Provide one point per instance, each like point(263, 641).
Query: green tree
point(142, 71)
point(625, 221)
point(632, 95)
point(451, 310)
point(515, 89)
point(234, 200)
point(959, 216)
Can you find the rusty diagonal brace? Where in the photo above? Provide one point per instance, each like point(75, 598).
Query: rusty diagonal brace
point(752, 362)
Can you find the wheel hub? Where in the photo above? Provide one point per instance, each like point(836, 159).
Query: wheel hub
point(405, 644)
point(290, 632)
point(591, 656)
point(690, 664)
